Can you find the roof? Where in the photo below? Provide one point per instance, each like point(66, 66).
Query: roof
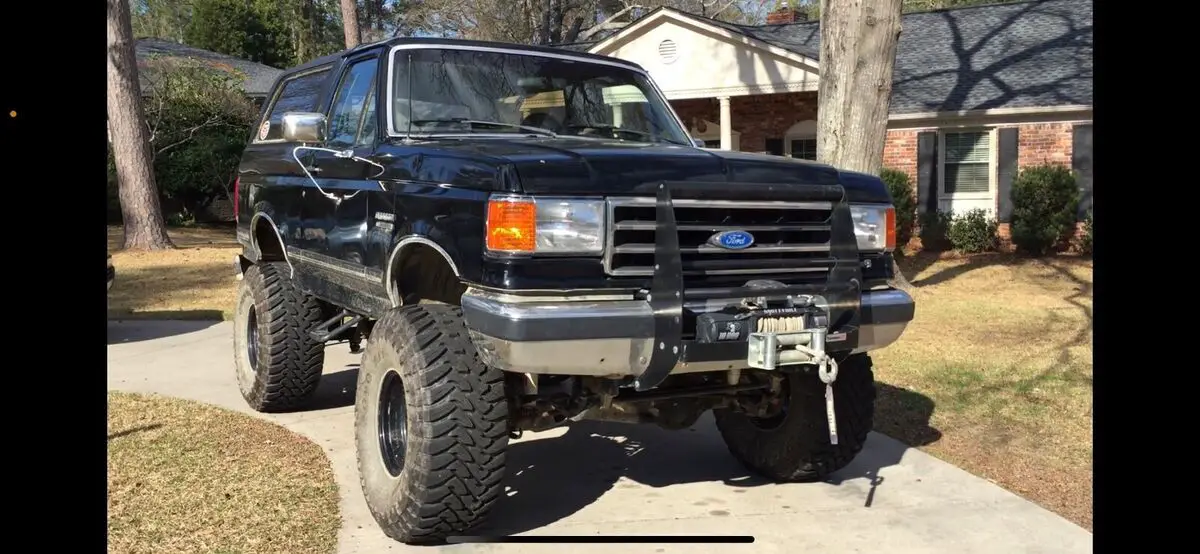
point(257, 78)
point(1012, 55)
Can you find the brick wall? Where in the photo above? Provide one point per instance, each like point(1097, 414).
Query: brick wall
point(1043, 143)
point(1037, 143)
point(693, 110)
point(761, 117)
point(900, 152)
point(757, 118)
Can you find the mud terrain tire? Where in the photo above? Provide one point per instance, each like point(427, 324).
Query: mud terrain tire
point(431, 426)
point(278, 363)
point(795, 447)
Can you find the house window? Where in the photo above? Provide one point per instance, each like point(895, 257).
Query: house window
point(805, 149)
point(712, 143)
point(967, 162)
point(800, 140)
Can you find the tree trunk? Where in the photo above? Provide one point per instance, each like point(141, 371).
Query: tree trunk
point(144, 226)
point(858, 52)
point(350, 22)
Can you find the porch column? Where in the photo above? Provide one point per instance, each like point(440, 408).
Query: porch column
point(726, 124)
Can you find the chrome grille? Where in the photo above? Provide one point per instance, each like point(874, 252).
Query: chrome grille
point(789, 237)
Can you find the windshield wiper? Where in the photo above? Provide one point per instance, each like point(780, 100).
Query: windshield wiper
point(615, 129)
point(531, 129)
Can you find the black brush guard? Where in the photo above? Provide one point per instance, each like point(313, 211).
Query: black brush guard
point(842, 288)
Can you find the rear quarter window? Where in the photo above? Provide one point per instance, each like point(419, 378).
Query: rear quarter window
point(295, 94)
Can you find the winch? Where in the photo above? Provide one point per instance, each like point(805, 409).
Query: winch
point(794, 334)
point(788, 334)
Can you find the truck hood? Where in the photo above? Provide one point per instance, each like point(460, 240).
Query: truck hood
point(577, 166)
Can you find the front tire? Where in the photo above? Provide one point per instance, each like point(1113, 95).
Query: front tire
point(431, 426)
point(795, 446)
point(278, 363)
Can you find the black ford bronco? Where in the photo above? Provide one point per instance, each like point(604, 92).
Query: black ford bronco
point(523, 237)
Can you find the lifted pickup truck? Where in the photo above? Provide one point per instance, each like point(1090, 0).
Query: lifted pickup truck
point(525, 237)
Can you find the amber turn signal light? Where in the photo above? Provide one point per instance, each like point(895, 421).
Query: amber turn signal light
point(511, 225)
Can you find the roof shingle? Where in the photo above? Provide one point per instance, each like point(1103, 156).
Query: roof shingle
point(1013, 55)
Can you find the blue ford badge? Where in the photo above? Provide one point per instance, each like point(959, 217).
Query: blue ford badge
point(732, 240)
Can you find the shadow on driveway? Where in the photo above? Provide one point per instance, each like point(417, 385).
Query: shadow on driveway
point(137, 330)
point(549, 479)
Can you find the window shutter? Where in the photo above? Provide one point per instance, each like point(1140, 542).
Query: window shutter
point(927, 171)
point(1006, 172)
point(1081, 162)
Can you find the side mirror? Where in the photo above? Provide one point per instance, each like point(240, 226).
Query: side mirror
point(303, 127)
point(697, 143)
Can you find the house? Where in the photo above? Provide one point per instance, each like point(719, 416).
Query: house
point(257, 78)
point(978, 92)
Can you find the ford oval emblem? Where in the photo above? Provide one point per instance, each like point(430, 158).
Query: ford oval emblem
point(732, 240)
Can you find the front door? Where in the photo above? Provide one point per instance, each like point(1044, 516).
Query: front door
point(337, 206)
point(966, 171)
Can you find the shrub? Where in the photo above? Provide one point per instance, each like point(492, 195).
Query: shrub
point(1085, 241)
point(1045, 200)
point(935, 230)
point(974, 231)
point(904, 199)
point(199, 121)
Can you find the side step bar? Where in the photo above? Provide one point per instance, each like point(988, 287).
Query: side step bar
point(323, 334)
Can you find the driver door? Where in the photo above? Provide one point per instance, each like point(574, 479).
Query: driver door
point(338, 209)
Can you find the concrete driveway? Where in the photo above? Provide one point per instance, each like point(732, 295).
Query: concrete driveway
point(611, 479)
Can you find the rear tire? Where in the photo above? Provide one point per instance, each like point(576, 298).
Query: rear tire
point(431, 426)
point(795, 446)
point(278, 363)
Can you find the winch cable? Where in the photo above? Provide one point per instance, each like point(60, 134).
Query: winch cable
point(780, 324)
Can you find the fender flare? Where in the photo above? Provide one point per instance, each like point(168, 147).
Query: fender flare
point(390, 284)
point(274, 228)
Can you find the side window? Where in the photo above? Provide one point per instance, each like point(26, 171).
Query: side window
point(366, 133)
point(297, 94)
point(345, 116)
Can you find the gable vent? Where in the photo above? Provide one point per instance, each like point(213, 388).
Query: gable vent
point(667, 51)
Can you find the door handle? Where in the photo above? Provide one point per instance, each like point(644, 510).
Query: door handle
point(313, 169)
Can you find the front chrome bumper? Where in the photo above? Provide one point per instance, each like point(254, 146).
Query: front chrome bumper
point(614, 337)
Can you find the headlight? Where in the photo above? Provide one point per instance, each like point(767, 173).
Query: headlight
point(874, 226)
point(521, 225)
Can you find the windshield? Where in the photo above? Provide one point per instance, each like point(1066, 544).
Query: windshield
point(455, 92)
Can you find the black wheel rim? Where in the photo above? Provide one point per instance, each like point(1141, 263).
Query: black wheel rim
point(393, 423)
point(252, 338)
